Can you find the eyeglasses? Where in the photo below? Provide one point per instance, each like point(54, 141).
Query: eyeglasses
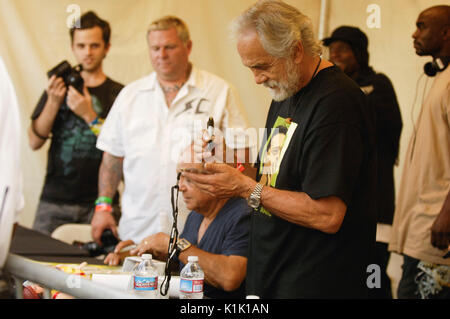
point(175, 190)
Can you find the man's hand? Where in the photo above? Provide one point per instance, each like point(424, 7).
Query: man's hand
point(440, 230)
point(56, 90)
point(114, 258)
point(100, 221)
point(81, 104)
point(156, 245)
point(223, 181)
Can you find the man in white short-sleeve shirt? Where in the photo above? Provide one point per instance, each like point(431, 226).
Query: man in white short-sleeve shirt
point(151, 121)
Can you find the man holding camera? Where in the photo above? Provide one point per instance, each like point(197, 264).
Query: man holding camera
point(71, 118)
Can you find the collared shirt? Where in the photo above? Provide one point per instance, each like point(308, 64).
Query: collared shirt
point(150, 136)
point(426, 177)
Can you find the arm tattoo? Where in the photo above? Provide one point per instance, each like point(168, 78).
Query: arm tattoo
point(110, 175)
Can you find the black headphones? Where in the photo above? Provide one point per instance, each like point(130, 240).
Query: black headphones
point(435, 66)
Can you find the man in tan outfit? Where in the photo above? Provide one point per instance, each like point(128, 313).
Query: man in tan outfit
point(421, 229)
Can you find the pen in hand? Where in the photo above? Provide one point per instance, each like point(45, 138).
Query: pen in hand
point(210, 129)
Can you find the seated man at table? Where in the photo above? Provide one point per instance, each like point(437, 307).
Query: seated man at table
point(217, 231)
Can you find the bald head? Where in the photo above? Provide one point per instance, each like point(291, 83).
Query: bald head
point(432, 36)
point(439, 14)
point(194, 196)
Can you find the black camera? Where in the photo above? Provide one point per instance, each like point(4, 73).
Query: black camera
point(109, 242)
point(71, 76)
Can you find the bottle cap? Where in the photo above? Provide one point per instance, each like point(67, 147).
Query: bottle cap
point(146, 256)
point(192, 258)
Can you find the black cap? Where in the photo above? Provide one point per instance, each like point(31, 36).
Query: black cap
point(355, 38)
point(352, 35)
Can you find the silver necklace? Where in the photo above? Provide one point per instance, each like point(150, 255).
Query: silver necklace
point(171, 89)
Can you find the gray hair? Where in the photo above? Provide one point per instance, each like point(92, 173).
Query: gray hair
point(279, 27)
point(168, 22)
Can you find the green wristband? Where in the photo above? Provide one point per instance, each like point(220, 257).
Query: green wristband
point(103, 199)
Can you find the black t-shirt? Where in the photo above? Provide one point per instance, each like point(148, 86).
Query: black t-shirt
point(226, 235)
point(327, 150)
point(73, 159)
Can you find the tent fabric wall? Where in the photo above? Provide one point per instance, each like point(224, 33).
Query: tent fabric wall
point(35, 37)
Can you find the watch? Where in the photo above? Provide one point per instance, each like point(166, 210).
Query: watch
point(254, 200)
point(182, 245)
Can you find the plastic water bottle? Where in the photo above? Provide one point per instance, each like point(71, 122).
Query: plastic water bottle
point(145, 278)
point(191, 280)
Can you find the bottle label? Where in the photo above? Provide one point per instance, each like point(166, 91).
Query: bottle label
point(191, 285)
point(145, 283)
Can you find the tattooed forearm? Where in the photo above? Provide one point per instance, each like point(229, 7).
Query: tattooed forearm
point(110, 175)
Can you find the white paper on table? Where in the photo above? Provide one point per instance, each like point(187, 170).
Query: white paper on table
point(117, 281)
point(174, 287)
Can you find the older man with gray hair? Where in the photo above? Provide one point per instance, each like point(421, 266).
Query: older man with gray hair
point(313, 225)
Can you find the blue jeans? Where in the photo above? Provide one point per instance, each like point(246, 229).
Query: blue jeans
point(408, 287)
